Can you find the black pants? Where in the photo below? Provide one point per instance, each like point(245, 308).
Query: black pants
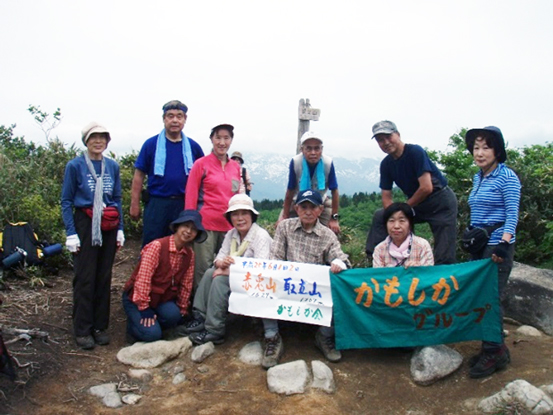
point(92, 282)
point(439, 210)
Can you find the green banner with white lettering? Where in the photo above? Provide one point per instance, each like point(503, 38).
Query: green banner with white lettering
point(417, 306)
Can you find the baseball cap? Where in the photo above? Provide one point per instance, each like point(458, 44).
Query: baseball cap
point(384, 127)
point(309, 196)
point(227, 127)
point(308, 135)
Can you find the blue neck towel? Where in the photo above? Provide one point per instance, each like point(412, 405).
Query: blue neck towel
point(161, 154)
point(305, 181)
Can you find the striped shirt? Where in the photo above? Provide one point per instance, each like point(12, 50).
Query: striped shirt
point(318, 246)
point(420, 255)
point(148, 264)
point(494, 199)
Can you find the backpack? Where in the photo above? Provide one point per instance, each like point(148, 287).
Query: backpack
point(21, 235)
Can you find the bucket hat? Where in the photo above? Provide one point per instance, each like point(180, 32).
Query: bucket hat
point(495, 133)
point(92, 128)
point(194, 217)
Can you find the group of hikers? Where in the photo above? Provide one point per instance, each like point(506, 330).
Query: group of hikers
point(198, 218)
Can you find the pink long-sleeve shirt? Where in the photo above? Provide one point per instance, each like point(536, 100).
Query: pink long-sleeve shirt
point(210, 186)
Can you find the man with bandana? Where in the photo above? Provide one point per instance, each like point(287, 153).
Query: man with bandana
point(166, 159)
point(310, 169)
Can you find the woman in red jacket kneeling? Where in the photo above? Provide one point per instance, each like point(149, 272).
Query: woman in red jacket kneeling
point(157, 296)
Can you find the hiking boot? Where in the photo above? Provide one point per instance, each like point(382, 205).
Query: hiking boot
point(327, 346)
point(205, 336)
point(490, 363)
point(101, 337)
point(85, 342)
point(474, 359)
point(192, 326)
point(273, 351)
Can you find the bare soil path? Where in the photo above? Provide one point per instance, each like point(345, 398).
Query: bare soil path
point(54, 375)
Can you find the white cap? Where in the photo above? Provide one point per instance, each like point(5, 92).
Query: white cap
point(308, 135)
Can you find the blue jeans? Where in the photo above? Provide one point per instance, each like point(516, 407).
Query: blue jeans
point(168, 315)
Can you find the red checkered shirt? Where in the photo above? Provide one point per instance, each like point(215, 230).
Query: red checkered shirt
point(148, 264)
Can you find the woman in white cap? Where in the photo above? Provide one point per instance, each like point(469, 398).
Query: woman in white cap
point(91, 211)
point(247, 239)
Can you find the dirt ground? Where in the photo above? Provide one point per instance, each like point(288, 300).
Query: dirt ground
point(54, 375)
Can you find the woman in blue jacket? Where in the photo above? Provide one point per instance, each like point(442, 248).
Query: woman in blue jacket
point(91, 211)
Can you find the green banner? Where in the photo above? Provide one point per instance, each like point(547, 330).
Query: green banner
point(417, 306)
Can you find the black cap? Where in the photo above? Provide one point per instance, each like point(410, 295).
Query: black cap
point(227, 127)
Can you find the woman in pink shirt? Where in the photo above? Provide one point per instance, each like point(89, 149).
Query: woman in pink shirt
point(213, 180)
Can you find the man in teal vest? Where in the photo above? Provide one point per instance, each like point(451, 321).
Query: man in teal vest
point(310, 169)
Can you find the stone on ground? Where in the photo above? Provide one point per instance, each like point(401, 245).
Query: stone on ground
point(154, 354)
point(112, 400)
point(131, 399)
point(518, 392)
point(529, 331)
point(323, 378)
point(289, 378)
point(179, 378)
point(202, 352)
point(102, 390)
point(251, 353)
point(432, 363)
point(142, 375)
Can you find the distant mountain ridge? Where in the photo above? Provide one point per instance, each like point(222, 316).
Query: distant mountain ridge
point(269, 173)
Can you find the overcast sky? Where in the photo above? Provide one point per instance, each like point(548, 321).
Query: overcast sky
point(432, 67)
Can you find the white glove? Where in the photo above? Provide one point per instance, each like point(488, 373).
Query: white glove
point(72, 243)
point(340, 263)
point(120, 238)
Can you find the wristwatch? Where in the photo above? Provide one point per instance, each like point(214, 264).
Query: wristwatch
point(335, 216)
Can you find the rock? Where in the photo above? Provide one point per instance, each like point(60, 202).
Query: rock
point(112, 400)
point(518, 392)
point(322, 377)
point(529, 331)
point(432, 363)
point(202, 352)
point(547, 389)
point(102, 390)
point(288, 378)
point(142, 375)
point(471, 405)
point(179, 378)
point(178, 369)
point(203, 369)
point(251, 354)
point(154, 354)
point(529, 297)
point(131, 399)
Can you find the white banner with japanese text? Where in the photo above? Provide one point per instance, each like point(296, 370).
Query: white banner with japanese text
point(281, 290)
